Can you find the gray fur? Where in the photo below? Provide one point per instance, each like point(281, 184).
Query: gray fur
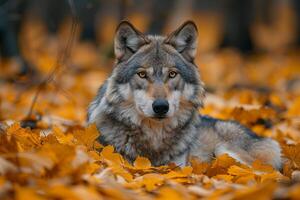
point(134, 132)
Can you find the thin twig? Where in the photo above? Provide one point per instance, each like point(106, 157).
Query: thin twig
point(63, 55)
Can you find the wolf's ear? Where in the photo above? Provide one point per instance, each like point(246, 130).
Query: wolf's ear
point(184, 40)
point(127, 40)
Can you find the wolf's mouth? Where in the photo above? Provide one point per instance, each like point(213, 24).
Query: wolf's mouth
point(159, 117)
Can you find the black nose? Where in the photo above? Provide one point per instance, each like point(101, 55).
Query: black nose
point(160, 106)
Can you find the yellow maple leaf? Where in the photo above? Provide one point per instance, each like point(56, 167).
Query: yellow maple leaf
point(88, 136)
point(142, 163)
point(259, 192)
point(152, 181)
point(179, 173)
point(239, 171)
point(167, 193)
point(224, 177)
point(198, 166)
point(108, 154)
point(242, 175)
point(220, 165)
point(246, 179)
point(6, 166)
point(84, 192)
point(274, 176)
point(293, 110)
point(27, 193)
point(260, 166)
point(36, 162)
point(13, 129)
point(61, 137)
point(294, 192)
point(62, 192)
point(292, 152)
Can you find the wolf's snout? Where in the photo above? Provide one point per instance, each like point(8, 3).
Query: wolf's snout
point(160, 107)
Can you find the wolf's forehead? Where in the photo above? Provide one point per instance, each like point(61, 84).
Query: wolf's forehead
point(157, 57)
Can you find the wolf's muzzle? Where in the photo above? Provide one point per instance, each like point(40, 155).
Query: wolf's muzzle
point(160, 107)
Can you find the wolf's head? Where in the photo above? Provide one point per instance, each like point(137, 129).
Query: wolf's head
point(155, 76)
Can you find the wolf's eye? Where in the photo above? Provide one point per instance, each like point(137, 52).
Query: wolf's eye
point(142, 74)
point(172, 74)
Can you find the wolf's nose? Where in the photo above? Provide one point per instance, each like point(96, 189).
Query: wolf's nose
point(160, 106)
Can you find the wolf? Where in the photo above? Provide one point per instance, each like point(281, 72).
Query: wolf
point(149, 105)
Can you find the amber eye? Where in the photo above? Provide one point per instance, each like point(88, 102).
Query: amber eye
point(172, 74)
point(142, 74)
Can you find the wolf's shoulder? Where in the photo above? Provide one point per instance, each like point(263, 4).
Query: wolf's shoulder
point(225, 127)
point(94, 104)
point(101, 91)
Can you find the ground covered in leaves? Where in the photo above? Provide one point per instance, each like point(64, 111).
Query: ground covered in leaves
point(60, 159)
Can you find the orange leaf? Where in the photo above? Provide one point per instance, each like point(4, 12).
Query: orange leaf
point(142, 163)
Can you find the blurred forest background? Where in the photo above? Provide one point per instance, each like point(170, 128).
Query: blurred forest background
point(54, 54)
point(241, 43)
point(37, 36)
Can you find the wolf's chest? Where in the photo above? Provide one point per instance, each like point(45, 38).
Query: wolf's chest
point(159, 146)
